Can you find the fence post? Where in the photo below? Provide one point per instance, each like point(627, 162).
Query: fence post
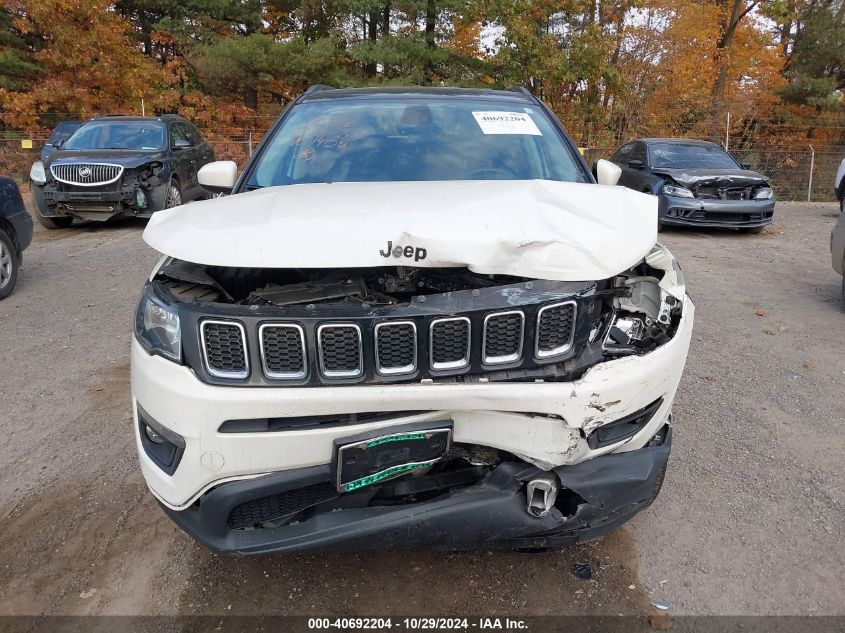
point(812, 164)
point(250, 143)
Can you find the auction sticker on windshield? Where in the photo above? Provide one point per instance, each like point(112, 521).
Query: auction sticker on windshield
point(506, 123)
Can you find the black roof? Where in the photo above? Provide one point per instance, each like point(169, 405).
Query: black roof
point(679, 141)
point(326, 92)
point(123, 117)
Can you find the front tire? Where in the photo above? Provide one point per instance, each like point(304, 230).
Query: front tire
point(174, 195)
point(8, 265)
point(50, 222)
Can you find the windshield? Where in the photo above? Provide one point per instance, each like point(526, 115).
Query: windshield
point(137, 135)
point(690, 156)
point(419, 139)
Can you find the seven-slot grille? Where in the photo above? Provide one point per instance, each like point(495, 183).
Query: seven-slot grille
point(283, 350)
point(503, 333)
point(449, 341)
point(555, 329)
point(340, 350)
point(396, 347)
point(391, 348)
point(224, 349)
point(86, 174)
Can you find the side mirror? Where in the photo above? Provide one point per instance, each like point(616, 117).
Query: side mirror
point(219, 176)
point(182, 143)
point(745, 165)
point(636, 164)
point(607, 173)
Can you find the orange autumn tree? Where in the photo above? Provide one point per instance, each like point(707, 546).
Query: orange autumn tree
point(90, 63)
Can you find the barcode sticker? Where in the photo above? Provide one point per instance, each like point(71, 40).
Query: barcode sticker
point(506, 123)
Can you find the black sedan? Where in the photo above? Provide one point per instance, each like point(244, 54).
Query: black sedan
point(697, 183)
point(15, 234)
point(118, 165)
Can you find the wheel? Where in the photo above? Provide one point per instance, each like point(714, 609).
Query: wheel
point(8, 265)
point(842, 203)
point(754, 229)
point(174, 195)
point(659, 226)
point(52, 223)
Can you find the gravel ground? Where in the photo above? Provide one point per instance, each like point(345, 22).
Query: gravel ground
point(750, 520)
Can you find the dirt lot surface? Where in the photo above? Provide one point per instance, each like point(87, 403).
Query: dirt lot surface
point(750, 520)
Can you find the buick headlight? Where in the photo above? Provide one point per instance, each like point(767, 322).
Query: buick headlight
point(675, 190)
point(157, 327)
point(764, 193)
point(37, 173)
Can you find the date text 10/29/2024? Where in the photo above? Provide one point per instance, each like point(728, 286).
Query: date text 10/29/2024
point(418, 624)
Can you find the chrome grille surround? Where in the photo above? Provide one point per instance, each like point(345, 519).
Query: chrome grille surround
point(86, 174)
point(565, 347)
point(283, 375)
point(489, 322)
point(224, 373)
point(403, 369)
point(455, 364)
point(322, 353)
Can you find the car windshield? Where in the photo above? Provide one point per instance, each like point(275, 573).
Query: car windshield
point(136, 135)
point(690, 156)
point(414, 139)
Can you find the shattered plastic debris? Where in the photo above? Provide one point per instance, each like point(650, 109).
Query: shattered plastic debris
point(660, 605)
point(582, 570)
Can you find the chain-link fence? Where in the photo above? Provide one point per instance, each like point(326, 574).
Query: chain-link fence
point(797, 173)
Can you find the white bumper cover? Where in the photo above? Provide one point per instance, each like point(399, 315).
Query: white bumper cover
point(542, 422)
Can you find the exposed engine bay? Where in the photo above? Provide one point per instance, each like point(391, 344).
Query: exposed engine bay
point(632, 313)
point(389, 285)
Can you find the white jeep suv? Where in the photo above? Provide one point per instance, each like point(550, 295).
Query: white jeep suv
point(418, 322)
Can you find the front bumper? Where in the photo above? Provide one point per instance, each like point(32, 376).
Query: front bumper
point(99, 205)
point(600, 495)
point(675, 211)
point(545, 424)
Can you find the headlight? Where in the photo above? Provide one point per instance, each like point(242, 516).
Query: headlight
point(647, 306)
point(675, 190)
point(764, 193)
point(37, 173)
point(157, 327)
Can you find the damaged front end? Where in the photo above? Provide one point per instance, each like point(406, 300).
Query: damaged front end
point(100, 191)
point(555, 397)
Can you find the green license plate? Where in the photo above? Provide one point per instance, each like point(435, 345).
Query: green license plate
point(376, 459)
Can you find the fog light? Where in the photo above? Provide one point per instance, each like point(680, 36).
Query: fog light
point(141, 198)
point(153, 435)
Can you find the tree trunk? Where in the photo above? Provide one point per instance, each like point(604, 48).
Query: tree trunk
point(251, 98)
point(430, 42)
point(723, 47)
point(370, 68)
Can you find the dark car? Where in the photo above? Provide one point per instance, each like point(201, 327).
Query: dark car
point(697, 183)
point(119, 165)
point(15, 234)
point(61, 133)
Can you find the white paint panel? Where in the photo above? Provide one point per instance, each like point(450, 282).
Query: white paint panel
point(537, 228)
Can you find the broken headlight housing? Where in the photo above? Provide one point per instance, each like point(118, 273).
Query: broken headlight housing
point(157, 327)
point(647, 305)
point(764, 193)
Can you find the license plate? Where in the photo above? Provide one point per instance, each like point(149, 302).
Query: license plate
point(373, 460)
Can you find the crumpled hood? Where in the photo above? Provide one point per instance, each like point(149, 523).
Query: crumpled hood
point(708, 177)
point(129, 159)
point(540, 229)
